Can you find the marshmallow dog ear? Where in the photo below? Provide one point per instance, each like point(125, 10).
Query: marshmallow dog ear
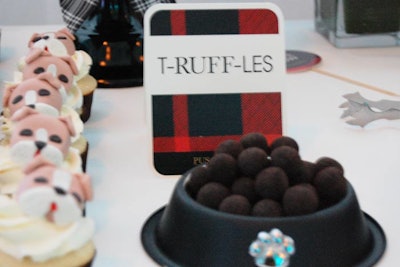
point(37, 162)
point(7, 93)
point(67, 33)
point(34, 53)
point(23, 113)
point(48, 77)
point(85, 182)
point(71, 63)
point(33, 38)
point(68, 123)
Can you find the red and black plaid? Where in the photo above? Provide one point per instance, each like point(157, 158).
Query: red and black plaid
point(220, 21)
point(189, 127)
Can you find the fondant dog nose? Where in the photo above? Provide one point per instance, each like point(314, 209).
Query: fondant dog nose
point(40, 144)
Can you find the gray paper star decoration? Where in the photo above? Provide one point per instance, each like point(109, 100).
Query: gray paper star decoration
point(361, 111)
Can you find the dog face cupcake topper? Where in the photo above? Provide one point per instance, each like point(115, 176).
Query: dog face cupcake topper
point(53, 193)
point(62, 68)
point(40, 93)
point(37, 134)
point(58, 43)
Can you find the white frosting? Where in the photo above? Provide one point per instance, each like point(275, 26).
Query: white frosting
point(67, 111)
point(10, 172)
point(4, 130)
point(73, 161)
point(83, 62)
point(38, 239)
point(75, 97)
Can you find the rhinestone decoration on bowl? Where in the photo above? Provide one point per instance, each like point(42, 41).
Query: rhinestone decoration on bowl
point(272, 249)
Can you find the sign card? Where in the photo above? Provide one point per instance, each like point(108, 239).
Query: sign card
point(212, 72)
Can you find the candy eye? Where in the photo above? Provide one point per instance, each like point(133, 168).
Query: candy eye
point(62, 38)
point(44, 92)
point(37, 39)
point(63, 78)
point(41, 180)
point(77, 197)
point(46, 37)
point(38, 70)
point(55, 139)
point(26, 132)
point(17, 99)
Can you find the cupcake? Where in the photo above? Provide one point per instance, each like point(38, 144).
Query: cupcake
point(43, 225)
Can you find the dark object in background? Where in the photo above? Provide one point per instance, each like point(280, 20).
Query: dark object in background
point(376, 16)
point(113, 36)
point(111, 32)
point(359, 23)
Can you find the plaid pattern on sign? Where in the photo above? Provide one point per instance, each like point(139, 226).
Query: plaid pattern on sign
point(75, 12)
point(206, 22)
point(187, 128)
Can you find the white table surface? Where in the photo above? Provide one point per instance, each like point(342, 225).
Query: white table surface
point(128, 190)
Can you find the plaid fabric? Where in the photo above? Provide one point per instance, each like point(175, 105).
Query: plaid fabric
point(191, 126)
point(206, 22)
point(75, 12)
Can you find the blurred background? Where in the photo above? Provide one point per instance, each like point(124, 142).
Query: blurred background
point(23, 12)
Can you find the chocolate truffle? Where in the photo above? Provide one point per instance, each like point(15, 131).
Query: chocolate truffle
point(271, 183)
point(231, 147)
point(289, 160)
point(235, 204)
point(284, 141)
point(309, 169)
point(255, 140)
point(244, 186)
point(300, 200)
point(252, 160)
point(330, 184)
point(212, 194)
point(267, 208)
point(324, 162)
point(304, 173)
point(197, 178)
point(223, 169)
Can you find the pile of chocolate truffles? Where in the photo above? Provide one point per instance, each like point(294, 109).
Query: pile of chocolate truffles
point(253, 178)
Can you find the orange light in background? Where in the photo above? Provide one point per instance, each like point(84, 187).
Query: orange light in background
point(101, 81)
point(108, 53)
point(138, 43)
point(107, 56)
point(141, 58)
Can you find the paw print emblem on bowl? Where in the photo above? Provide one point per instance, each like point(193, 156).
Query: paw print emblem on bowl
point(272, 249)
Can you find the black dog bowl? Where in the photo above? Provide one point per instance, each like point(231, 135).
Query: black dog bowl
point(186, 233)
